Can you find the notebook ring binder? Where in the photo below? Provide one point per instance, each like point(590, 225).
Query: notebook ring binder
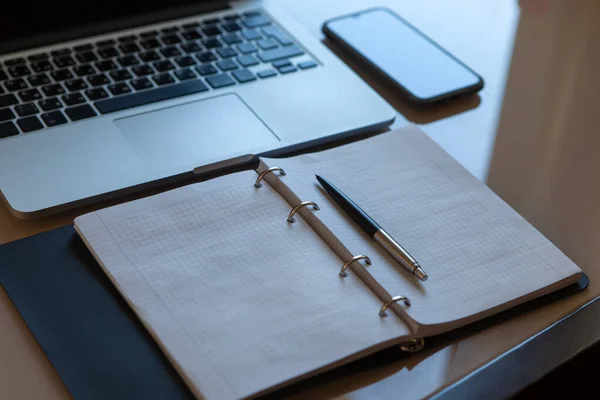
point(392, 301)
point(347, 264)
point(257, 184)
point(297, 208)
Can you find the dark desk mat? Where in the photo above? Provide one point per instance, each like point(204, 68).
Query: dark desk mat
point(98, 346)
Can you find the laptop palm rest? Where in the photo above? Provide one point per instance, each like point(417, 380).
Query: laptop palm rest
point(195, 133)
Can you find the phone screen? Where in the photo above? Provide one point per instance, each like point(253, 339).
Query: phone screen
point(407, 57)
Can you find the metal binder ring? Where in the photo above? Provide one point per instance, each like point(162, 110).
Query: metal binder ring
point(343, 272)
point(257, 184)
point(393, 300)
point(290, 217)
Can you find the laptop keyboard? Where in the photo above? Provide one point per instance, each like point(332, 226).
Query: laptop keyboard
point(88, 80)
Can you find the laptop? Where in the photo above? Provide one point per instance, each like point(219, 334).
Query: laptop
point(112, 97)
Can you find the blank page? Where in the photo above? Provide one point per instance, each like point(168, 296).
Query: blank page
point(481, 256)
point(239, 299)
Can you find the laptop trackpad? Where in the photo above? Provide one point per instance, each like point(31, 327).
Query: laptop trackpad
point(197, 133)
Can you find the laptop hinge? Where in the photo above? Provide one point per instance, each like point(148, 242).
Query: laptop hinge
point(113, 25)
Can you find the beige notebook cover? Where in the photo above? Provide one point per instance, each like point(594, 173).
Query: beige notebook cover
point(244, 302)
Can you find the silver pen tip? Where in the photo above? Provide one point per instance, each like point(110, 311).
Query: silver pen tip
point(422, 275)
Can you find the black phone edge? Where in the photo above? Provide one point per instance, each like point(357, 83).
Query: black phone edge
point(445, 97)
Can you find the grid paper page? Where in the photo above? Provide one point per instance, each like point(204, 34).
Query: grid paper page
point(238, 299)
point(479, 253)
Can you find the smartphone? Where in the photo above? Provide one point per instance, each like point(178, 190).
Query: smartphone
point(403, 56)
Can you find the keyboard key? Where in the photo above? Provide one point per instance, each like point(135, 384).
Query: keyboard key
point(206, 69)
point(170, 52)
point(75, 85)
point(212, 43)
point(280, 53)
point(73, 98)
point(41, 66)
point(127, 38)
point(14, 61)
point(251, 34)
point(80, 112)
point(128, 48)
point(247, 61)
point(307, 64)
point(152, 96)
point(96, 94)
point(226, 65)
point(211, 31)
point(30, 95)
point(8, 100)
point(108, 52)
point(211, 21)
point(190, 25)
point(3, 75)
point(231, 17)
point(83, 47)
point(191, 35)
point(6, 115)
point(98, 80)
point(60, 52)
point(120, 75)
point(54, 118)
point(61, 75)
point(142, 70)
point(8, 129)
point(38, 57)
point(231, 39)
point(141, 84)
point(63, 62)
point(86, 57)
point(246, 48)
point(266, 44)
point(231, 27)
point(149, 56)
point(267, 73)
point(185, 74)
point(26, 109)
point(256, 21)
point(288, 69)
point(30, 124)
point(243, 75)
point(171, 39)
point(15, 84)
point(251, 13)
point(149, 34)
point(277, 34)
point(38, 80)
point(170, 29)
point(150, 43)
point(104, 43)
point(162, 66)
point(53, 90)
point(83, 70)
point(163, 79)
point(119, 88)
point(107, 65)
point(206, 56)
point(185, 61)
point(190, 47)
point(128, 61)
point(50, 104)
point(18, 70)
point(282, 63)
point(221, 80)
point(226, 52)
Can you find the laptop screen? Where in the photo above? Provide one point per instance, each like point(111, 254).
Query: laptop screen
point(26, 19)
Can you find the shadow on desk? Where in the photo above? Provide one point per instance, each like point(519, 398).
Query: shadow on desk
point(418, 115)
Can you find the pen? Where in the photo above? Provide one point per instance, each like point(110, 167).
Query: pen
point(370, 227)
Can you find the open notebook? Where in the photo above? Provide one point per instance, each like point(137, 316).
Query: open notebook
point(243, 302)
